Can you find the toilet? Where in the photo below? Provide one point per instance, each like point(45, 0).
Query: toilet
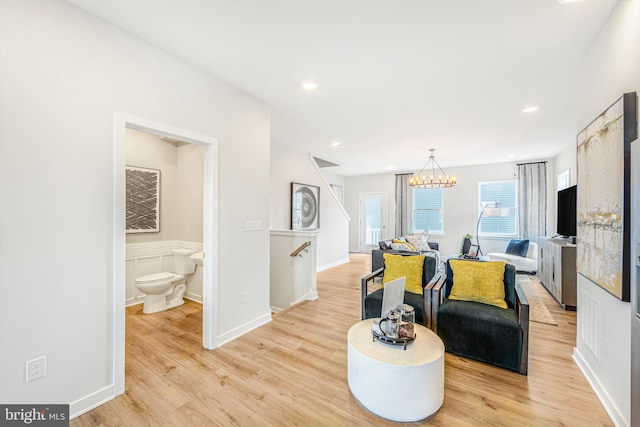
point(163, 291)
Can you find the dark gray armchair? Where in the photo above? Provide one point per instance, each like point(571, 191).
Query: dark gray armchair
point(480, 331)
point(372, 302)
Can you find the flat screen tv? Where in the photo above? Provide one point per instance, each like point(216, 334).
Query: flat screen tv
point(567, 214)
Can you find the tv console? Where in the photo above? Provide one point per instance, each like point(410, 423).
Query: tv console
point(557, 270)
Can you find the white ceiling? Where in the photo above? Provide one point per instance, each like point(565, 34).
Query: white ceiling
point(396, 77)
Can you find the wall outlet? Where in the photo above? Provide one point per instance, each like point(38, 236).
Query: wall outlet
point(245, 297)
point(36, 368)
point(605, 349)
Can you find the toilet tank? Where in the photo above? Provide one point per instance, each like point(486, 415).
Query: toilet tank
point(182, 263)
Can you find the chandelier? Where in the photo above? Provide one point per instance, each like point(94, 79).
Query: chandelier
point(420, 179)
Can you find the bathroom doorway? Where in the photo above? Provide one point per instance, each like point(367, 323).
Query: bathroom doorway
point(124, 122)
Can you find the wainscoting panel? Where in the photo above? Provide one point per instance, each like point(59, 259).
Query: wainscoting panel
point(589, 319)
point(155, 257)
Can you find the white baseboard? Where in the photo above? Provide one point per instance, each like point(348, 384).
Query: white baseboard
point(609, 405)
point(243, 329)
point(193, 297)
point(87, 403)
point(134, 301)
point(333, 264)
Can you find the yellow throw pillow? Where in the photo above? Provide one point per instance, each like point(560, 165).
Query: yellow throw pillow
point(407, 244)
point(478, 281)
point(397, 266)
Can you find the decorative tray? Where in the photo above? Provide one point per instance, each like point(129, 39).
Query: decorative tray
point(403, 342)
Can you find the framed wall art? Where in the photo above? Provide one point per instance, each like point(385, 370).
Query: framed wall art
point(305, 206)
point(143, 200)
point(603, 206)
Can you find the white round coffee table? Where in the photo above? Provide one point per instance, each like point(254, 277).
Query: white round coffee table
point(397, 384)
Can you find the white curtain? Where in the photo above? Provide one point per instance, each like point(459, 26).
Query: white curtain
point(404, 205)
point(532, 200)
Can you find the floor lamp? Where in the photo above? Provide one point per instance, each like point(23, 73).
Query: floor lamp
point(490, 211)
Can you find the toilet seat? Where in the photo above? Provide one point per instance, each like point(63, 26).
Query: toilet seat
point(159, 277)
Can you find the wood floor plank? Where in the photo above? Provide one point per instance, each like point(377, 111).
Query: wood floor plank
point(293, 372)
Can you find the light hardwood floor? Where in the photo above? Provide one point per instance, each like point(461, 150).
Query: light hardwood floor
point(293, 372)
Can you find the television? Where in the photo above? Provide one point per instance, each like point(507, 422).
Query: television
point(567, 213)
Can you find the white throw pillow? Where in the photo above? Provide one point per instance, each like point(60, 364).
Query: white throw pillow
point(419, 241)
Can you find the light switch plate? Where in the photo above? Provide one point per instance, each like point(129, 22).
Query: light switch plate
point(253, 225)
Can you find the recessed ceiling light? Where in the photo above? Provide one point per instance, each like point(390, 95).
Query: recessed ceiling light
point(566, 1)
point(530, 109)
point(511, 156)
point(336, 144)
point(309, 85)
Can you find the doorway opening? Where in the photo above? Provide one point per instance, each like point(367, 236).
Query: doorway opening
point(209, 239)
point(373, 220)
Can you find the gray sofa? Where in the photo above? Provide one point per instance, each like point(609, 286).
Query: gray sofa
point(377, 260)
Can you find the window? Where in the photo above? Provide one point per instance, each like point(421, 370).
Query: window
point(427, 210)
point(502, 195)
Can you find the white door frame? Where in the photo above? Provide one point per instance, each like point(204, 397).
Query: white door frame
point(209, 241)
point(384, 216)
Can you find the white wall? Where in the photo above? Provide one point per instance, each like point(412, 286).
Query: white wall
point(190, 171)
point(181, 185)
point(611, 68)
point(290, 165)
point(63, 74)
point(460, 204)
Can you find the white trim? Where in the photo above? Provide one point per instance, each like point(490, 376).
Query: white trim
point(609, 404)
point(122, 121)
point(92, 401)
point(243, 329)
point(332, 264)
point(328, 187)
point(296, 233)
point(161, 248)
point(210, 243)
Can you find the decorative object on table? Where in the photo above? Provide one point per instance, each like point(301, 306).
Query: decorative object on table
point(604, 211)
point(396, 328)
point(406, 329)
point(473, 252)
point(143, 200)
point(442, 180)
point(305, 206)
point(489, 209)
point(465, 245)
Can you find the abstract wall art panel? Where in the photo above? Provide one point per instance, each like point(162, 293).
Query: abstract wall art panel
point(603, 223)
point(143, 200)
